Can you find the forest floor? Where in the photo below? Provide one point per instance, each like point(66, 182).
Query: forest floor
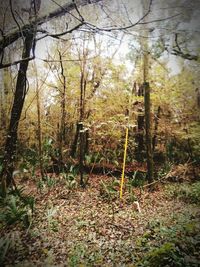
point(86, 227)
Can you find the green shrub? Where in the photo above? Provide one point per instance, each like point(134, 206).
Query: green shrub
point(16, 208)
point(70, 178)
point(109, 190)
point(5, 243)
point(187, 192)
point(8, 243)
point(138, 179)
point(48, 183)
point(175, 245)
point(50, 217)
point(166, 255)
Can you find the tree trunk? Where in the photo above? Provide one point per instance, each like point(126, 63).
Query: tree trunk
point(81, 131)
point(81, 156)
point(39, 132)
point(75, 142)
point(87, 143)
point(139, 138)
point(83, 85)
point(19, 97)
point(149, 152)
point(63, 113)
point(147, 104)
point(154, 141)
point(2, 105)
point(198, 97)
point(6, 97)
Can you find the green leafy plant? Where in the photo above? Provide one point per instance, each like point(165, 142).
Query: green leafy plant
point(5, 243)
point(70, 178)
point(174, 245)
point(109, 190)
point(13, 212)
point(9, 242)
point(186, 192)
point(137, 180)
point(95, 157)
point(77, 255)
point(29, 162)
point(164, 170)
point(48, 150)
point(166, 255)
point(50, 182)
point(40, 185)
point(17, 207)
point(50, 216)
point(130, 185)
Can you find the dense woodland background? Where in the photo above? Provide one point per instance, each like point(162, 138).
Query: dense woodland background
point(77, 78)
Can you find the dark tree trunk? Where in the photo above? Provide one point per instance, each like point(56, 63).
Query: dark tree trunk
point(139, 138)
point(4, 99)
point(19, 97)
point(63, 113)
point(156, 128)
point(39, 130)
point(87, 137)
point(75, 142)
point(149, 152)
point(198, 97)
point(81, 156)
point(81, 127)
point(141, 90)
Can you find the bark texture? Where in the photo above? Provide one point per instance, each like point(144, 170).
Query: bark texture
point(149, 151)
point(19, 97)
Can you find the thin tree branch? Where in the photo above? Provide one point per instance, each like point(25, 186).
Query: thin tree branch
point(2, 66)
point(57, 35)
point(176, 41)
point(177, 51)
point(13, 15)
point(66, 60)
point(62, 10)
point(187, 56)
point(13, 36)
point(139, 22)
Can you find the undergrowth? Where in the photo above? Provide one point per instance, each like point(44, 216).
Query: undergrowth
point(177, 245)
point(16, 207)
point(186, 192)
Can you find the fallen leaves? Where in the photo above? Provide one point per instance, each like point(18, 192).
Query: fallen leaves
point(80, 227)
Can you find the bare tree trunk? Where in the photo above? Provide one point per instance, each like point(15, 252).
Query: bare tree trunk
point(154, 141)
point(39, 132)
point(81, 156)
point(198, 97)
point(2, 105)
point(81, 128)
point(5, 98)
point(149, 151)
point(63, 113)
point(87, 143)
point(147, 103)
point(139, 138)
point(75, 142)
point(19, 97)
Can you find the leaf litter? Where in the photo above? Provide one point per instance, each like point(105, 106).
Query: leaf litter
point(81, 228)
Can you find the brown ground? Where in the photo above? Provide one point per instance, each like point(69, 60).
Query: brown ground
point(81, 228)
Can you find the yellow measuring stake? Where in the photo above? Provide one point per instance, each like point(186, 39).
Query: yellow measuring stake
point(124, 163)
